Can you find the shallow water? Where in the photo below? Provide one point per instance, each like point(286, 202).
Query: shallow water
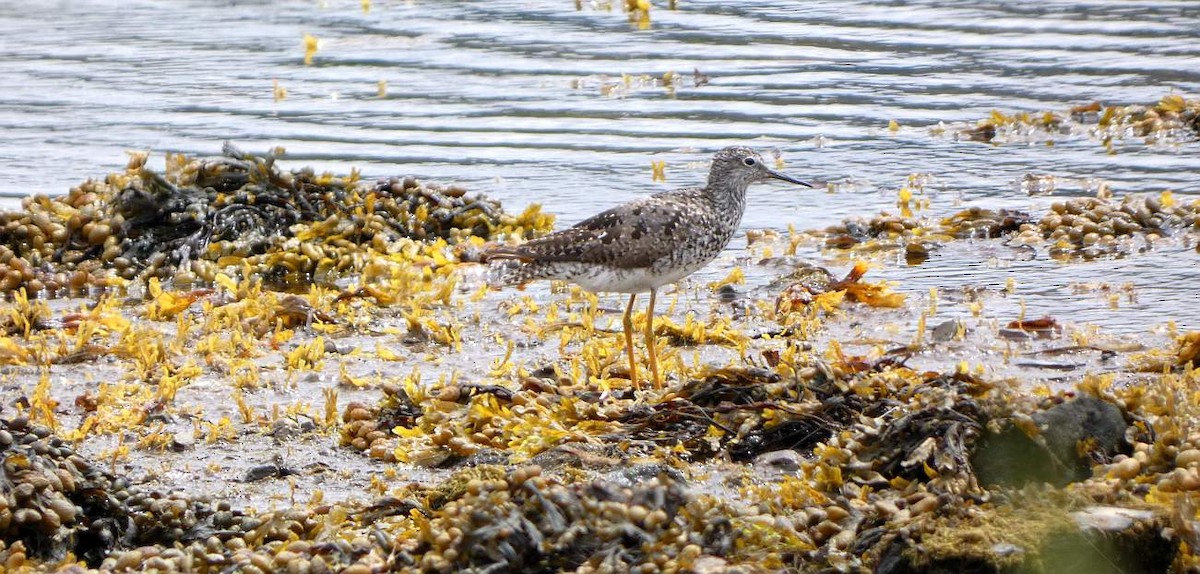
point(525, 100)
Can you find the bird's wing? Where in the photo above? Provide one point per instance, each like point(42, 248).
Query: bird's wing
point(631, 235)
point(566, 245)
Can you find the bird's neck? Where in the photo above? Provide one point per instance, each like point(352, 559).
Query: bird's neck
point(728, 197)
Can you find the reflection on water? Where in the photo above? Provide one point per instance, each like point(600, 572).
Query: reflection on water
point(535, 101)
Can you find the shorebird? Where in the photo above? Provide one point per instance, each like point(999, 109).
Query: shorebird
point(646, 243)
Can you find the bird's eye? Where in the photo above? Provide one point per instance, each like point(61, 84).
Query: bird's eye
point(749, 161)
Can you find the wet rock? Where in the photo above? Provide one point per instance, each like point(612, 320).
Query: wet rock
point(284, 429)
point(917, 251)
point(183, 441)
point(1013, 458)
point(581, 455)
point(275, 469)
point(640, 474)
point(1083, 418)
point(333, 349)
point(779, 460)
point(1110, 518)
point(946, 330)
point(1007, 550)
point(728, 294)
point(389, 506)
point(484, 456)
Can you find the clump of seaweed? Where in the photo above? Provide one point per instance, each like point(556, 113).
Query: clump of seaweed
point(1095, 226)
point(239, 212)
point(1173, 118)
point(1085, 227)
point(55, 504)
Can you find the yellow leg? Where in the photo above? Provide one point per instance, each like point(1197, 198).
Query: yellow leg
point(650, 341)
point(628, 323)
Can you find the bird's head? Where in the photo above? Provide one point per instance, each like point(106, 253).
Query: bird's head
point(740, 166)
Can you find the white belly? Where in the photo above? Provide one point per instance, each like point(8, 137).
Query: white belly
point(638, 280)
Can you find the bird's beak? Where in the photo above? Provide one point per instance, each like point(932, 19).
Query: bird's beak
point(787, 178)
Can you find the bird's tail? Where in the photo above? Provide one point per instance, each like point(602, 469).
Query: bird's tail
point(508, 266)
point(505, 272)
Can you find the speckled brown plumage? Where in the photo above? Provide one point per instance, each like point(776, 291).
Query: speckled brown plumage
point(646, 243)
point(633, 235)
point(659, 239)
